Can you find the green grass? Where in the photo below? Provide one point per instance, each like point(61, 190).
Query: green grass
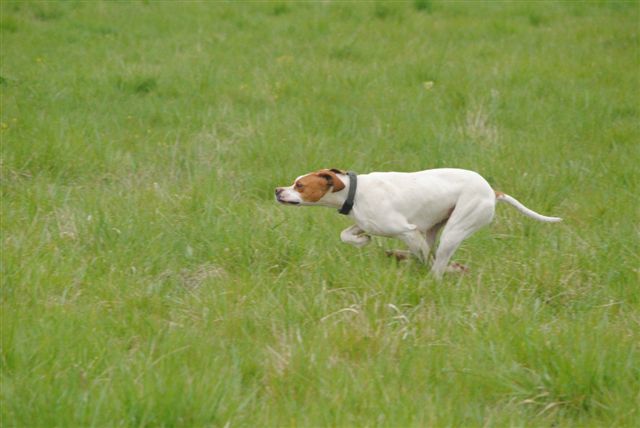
point(149, 278)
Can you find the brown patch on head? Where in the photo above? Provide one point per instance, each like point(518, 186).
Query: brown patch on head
point(313, 187)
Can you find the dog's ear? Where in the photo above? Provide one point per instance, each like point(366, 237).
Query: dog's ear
point(338, 171)
point(332, 179)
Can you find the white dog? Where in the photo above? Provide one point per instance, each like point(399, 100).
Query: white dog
point(412, 207)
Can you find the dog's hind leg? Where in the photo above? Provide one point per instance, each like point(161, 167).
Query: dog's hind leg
point(461, 225)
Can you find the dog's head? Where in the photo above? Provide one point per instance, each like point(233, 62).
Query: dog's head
point(315, 188)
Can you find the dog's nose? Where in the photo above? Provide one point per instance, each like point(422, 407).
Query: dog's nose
point(279, 190)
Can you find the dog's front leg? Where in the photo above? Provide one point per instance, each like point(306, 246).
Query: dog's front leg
point(355, 236)
point(417, 244)
point(430, 237)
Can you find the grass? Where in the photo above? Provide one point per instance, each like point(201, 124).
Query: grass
point(149, 279)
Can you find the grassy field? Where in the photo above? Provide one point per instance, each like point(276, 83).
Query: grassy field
point(149, 278)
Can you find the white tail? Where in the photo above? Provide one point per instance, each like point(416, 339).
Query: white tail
point(501, 197)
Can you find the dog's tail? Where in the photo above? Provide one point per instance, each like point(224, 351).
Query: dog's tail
point(502, 197)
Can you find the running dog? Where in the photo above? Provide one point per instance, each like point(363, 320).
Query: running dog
point(412, 207)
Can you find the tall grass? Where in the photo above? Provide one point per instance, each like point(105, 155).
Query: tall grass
point(149, 279)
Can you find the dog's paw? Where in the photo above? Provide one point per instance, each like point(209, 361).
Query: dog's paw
point(457, 268)
point(398, 254)
point(355, 240)
point(361, 240)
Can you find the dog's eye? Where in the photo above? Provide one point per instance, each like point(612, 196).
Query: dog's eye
point(298, 186)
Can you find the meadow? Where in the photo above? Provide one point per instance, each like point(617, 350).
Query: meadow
point(149, 278)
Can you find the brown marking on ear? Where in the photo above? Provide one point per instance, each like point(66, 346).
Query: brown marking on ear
point(312, 187)
point(332, 179)
point(338, 171)
point(498, 194)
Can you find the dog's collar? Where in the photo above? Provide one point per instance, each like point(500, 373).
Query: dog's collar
point(351, 196)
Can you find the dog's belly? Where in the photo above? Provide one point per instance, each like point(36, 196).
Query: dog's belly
point(431, 214)
point(388, 220)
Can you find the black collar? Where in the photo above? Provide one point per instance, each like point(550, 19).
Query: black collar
point(348, 204)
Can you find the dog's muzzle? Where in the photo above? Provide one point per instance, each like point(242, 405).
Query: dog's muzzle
point(279, 198)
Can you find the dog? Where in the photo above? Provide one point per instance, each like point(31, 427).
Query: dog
point(412, 207)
